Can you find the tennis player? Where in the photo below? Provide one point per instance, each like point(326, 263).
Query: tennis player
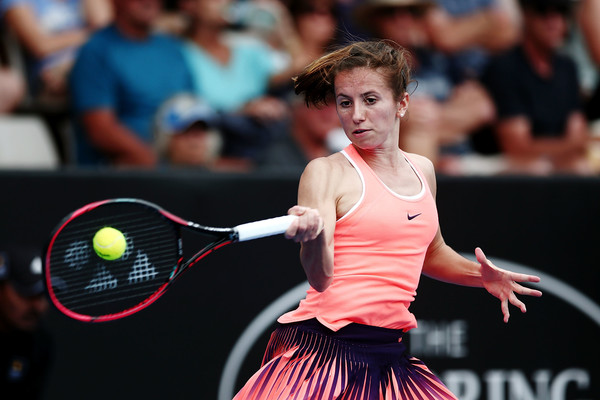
point(368, 229)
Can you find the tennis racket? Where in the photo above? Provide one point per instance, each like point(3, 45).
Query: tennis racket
point(88, 288)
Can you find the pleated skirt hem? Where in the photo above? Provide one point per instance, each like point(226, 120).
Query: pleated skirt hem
point(308, 361)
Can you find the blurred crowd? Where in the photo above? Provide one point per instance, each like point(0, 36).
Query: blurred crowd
point(498, 86)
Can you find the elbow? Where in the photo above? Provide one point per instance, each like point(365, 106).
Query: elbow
point(321, 284)
point(321, 280)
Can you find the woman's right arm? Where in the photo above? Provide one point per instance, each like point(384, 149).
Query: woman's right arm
point(316, 223)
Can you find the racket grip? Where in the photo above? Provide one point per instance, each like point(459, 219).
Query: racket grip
point(263, 228)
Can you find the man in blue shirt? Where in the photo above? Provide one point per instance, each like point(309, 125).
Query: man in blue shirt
point(121, 77)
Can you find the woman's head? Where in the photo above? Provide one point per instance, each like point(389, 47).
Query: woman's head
point(317, 80)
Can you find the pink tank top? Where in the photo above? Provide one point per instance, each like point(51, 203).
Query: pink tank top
point(379, 249)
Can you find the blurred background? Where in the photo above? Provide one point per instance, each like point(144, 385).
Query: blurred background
point(190, 104)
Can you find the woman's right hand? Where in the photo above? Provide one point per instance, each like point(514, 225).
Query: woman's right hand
point(307, 227)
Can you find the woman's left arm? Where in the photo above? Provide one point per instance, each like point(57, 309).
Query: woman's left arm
point(445, 264)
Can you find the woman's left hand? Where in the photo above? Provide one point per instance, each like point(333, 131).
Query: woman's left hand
point(503, 284)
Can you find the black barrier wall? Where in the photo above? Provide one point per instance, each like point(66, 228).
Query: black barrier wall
point(205, 336)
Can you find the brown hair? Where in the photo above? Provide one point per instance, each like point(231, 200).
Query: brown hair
point(317, 79)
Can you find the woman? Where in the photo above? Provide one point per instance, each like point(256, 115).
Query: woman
point(233, 74)
point(368, 228)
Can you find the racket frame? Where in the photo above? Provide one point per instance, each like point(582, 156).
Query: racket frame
point(222, 236)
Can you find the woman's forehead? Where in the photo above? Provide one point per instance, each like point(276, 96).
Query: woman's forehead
point(361, 78)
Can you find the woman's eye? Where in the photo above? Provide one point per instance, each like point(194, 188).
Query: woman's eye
point(370, 100)
point(345, 103)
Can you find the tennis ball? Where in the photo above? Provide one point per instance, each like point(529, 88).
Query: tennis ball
point(109, 243)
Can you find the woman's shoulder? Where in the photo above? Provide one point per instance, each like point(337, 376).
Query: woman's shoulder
point(331, 163)
point(420, 161)
point(423, 164)
point(327, 175)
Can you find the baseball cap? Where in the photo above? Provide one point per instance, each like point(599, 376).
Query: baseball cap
point(181, 112)
point(22, 267)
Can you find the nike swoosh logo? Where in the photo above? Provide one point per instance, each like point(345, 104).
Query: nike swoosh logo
point(411, 217)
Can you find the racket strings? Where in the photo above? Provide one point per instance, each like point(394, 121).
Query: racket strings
point(87, 284)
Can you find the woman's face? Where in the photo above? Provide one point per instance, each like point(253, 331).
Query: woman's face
point(367, 108)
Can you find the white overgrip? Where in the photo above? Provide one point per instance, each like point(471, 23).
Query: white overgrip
point(263, 228)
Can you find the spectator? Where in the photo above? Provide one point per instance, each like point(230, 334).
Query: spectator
point(446, 106)
point(12, 89)
point(26, 349)
point(185, 133)
point(587, 18)
point(315, 131)
point(50, 32)
point(315, 22)
point(473, 29)
point(541, 126)
point(121, 77)
point(350, 29)
point(176, 17)
point(233, 74)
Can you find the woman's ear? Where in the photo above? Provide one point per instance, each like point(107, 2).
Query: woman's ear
point(403, 105)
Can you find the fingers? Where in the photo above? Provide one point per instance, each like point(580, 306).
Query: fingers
point(505, 310)
point(517, 303)
point(514, 300)
point(481, 258)
point(527, 291)
point(503, 284)
point(524, 277)
point(307, 227)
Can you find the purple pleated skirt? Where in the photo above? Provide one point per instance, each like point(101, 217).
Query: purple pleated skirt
point(306, 360)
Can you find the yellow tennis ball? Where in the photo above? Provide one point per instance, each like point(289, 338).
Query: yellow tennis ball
point(109, 243)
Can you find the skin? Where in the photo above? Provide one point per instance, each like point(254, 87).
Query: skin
point(12, 89)
point(494, 28)
point(587, 18)
point(371, 116)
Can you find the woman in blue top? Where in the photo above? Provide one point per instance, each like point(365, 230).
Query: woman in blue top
point(234, 73)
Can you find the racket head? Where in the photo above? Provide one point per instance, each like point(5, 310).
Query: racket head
point(88, 288)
